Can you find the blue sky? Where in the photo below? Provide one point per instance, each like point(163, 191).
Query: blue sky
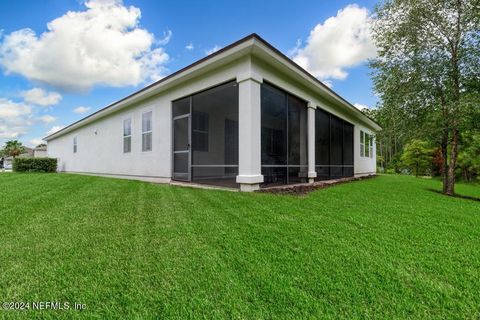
point(172, 26)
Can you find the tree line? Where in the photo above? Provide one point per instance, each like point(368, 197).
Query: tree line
point(427, 76)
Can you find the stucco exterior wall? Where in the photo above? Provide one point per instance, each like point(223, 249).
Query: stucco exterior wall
point(100, 144)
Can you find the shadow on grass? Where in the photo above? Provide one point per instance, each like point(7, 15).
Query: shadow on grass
point(455, 195)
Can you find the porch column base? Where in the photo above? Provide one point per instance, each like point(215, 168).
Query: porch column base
point(249, 183)
point(311, 176)
point(246, 187)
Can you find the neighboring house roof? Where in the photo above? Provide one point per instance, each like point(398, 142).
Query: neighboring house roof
point(22, 155)
point(28, 150)
point(43, 148)
point(230, 52)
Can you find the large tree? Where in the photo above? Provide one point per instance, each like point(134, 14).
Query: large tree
point(429, 57)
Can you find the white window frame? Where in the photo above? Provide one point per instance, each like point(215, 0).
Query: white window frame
point(370, 146)
point(145, 132)
point(366, 144)
point(125, 136)
point(75, 144)
point(362, 144)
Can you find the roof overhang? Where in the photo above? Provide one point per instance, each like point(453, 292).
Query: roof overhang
point(249, 45)
point(278, 60)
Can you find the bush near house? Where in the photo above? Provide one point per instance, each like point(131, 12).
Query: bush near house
point(35, 165)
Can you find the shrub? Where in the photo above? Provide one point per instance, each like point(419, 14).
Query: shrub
point(35, 165)
point(417, 157)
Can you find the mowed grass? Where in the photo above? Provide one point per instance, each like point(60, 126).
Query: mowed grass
point(381, 248)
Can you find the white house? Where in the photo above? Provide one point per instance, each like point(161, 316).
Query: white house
point(40, 152)
point(245, 116)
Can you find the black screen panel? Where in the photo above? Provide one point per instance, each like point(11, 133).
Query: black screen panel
point(336, 141)
point(333, 146)
point(181, 107)
point(284, 137)
point(347, 144)
point(274, 126)
point(322, 137)
point(297, 132)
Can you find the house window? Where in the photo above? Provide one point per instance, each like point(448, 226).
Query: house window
point(127, 135)
point(147, 131)
point(366, 145)
point(200, 131)
point(75, 144)
point(362, 144)
point(371, 146)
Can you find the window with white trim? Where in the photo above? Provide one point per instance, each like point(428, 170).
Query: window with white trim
point(147, 131)
point(127, 135)
point(75, 144)
point(371, 146)
point(366, 145)
point(362, 144)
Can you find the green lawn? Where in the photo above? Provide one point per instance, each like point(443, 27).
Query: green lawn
point(381, 248)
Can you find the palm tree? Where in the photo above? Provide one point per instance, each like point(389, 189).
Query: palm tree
point(13, 148)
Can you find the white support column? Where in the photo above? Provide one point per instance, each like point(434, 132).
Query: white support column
point(249, 131)
point(312, 174)
point(303, 173)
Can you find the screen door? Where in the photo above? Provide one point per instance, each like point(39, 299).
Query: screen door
point(181, 140)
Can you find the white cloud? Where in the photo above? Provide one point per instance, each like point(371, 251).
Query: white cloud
point(10, 133)
point(81, 110)
point(54, 129)
point(190, 46)
point(15, 118)
point(166, 38)
point(212, 50)
point(360, 106)
point(41, 97)
point(102, 45)
point(35, 141)
point(47, 118)
point(340, 42)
